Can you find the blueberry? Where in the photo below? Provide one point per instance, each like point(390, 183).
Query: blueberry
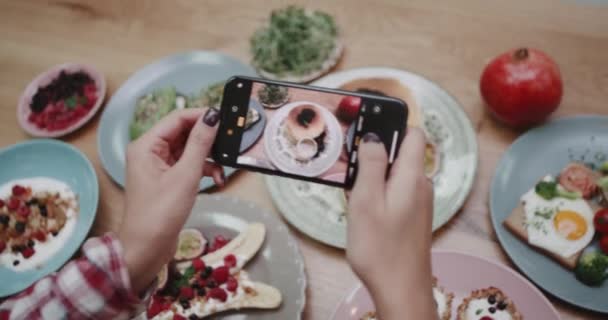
point(492, 299)
point(195, 286)
point(492, 310)
point(207, 272)
point(30, 243)
point(16, 262)
point(32, 202)
point(201, 292)
point(20, 227)
point(501, 305)
point(211, 283)
point(54, 233)
point(184, 303)
point(4, 219)
point(43, 211)
point(193, 317)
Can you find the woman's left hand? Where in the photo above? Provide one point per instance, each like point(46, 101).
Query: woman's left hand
point(164, 168)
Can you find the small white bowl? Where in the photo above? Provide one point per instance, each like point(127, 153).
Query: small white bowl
point(306, 149)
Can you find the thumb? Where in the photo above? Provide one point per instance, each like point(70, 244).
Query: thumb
point(373, 161)
point(200, 141)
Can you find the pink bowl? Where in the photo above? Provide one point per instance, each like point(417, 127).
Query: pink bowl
point(23, 108)
point(461, 273)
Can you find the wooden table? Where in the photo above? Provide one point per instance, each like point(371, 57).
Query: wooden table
point(447, 42)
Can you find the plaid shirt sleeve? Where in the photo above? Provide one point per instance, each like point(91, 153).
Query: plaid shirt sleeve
point(97, 286)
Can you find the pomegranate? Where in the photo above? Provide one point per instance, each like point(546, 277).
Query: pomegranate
point(521, 87)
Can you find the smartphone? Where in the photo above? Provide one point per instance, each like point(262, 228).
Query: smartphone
point(303, 132)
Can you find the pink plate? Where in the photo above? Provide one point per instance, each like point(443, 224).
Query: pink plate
point(460, 274)
point(23, 108)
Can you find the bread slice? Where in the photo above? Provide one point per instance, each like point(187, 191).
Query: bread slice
point(484, 294)
point(391, 87)
point(515, 223)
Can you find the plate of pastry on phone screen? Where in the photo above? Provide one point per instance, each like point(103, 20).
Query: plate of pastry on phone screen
point(450, 156)
point(233, 261)
point(495, 292)
point(185, 80)
point(549, 207)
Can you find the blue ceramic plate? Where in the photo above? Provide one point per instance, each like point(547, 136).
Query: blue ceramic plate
point(187, 72)
point(541, 151)
point(61, 161)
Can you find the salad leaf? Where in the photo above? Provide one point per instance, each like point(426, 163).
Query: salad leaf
point(71, 102)
point(551, 189)
point(296, 41)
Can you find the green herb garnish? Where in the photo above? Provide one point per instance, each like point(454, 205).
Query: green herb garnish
point(71, 102)
point(184, 279)
point(478, 311)
point(296, 41)
point(272, 94)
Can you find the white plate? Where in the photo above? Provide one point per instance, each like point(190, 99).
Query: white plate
point(446, 124)
point(280, 151)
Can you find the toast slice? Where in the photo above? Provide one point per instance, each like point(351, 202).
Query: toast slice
point(490, 298)
point(515, 223)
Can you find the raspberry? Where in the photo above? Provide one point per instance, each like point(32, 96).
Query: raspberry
point(198, 264)
point(218, 294)
point(40, 235)
point(486, 318)
point(28, 252)
point(18, 190)
point(24, 211)
point(230, 261)
point(221, 274)
point(178, 317)
point(2, 246)
point(186, 292)
point(13, 203)
point(154, 308)
point(220, 241)
point(1, 203)
point(232, 284)
point(202, 283)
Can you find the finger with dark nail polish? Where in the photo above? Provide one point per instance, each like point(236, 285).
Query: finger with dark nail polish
point(211, 117)
point(371, 137)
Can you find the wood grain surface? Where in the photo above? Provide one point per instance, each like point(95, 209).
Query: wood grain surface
point(447, 41)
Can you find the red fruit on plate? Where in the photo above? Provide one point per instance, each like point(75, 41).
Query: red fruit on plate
point(179, 317)
point(39, 235)
point(13, 203)
point(348, 108)
point(232, 284)
point(521, 87)
point(198, 264)
point(18, 190)
point(1, 203)
point(230, 261)
point(604, 243)
point(220, 274)
point(28, 252)
point(153, 310)
point(600, 220)
point(218, 294)
point(2, 246)
point(186, 292)
point(24, 211)
point(486, 318)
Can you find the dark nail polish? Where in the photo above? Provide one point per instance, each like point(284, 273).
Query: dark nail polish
point(371, 137)
point(211, 117)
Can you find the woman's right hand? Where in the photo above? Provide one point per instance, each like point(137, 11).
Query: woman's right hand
point(389, 228)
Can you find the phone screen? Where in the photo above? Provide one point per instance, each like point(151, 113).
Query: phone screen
point(300, 132)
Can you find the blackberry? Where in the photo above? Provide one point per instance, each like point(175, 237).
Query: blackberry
point(43, 211)
point(20, 227)
point(4, 219)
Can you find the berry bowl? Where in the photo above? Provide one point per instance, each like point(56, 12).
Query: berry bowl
point(64, 98)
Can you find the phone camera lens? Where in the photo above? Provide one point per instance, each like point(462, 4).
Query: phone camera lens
point(235, 108)
point(376, 109)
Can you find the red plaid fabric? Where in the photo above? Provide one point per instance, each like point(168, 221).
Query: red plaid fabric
point(96, 286)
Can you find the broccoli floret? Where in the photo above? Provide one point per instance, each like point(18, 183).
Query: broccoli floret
point(592, 268)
